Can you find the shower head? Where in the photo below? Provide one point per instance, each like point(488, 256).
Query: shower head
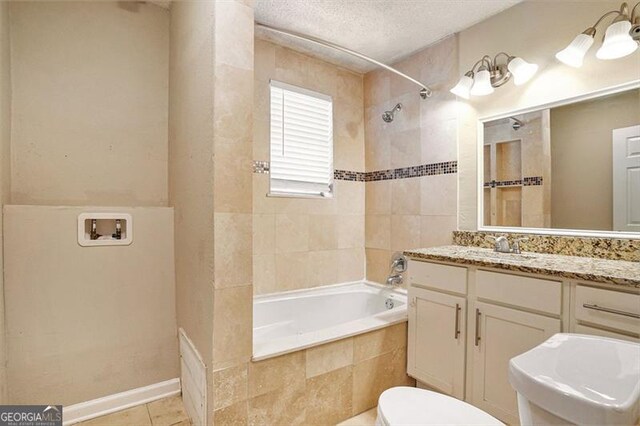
point(517, 124)
point(388, 116)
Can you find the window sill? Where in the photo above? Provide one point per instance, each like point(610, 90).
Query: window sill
point(298, 195)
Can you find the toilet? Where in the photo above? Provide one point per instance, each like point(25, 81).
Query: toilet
point(578, 379)
point(413, 406)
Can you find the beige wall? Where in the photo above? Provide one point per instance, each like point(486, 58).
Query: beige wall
point(581, 158)
point(87, 322)
point(301, 243)
point(89, 103)
point(5, 168)
point(191, 169)
point(420, 211)
point(543, 28)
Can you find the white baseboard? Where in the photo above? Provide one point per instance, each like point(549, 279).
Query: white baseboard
point(120, 401)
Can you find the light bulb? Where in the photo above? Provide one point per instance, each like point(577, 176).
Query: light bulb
point(573, 55)
point(522, 70)
point(617, 41)
point(482, 84)
point(463, 87)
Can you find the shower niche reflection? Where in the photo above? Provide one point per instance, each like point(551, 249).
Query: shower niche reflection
point(516, 162)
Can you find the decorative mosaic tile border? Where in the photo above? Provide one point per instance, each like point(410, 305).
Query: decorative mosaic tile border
point(349, 175)
point(261, 167)
point(604, 248)
point(527, 181)
point(432, 169)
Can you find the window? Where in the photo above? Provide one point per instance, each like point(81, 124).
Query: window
point(301, 142)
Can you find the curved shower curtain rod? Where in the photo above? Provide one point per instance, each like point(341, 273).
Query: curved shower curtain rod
point(425, 91)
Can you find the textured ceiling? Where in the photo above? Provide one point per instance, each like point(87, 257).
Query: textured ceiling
point(386, 30)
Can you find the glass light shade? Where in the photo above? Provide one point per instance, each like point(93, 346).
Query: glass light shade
point(617, 42)
point(573, 55)
point(463, 87)
point(521, 70)
point(482, 84)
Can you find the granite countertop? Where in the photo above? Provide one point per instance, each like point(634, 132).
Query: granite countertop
point(617, 272)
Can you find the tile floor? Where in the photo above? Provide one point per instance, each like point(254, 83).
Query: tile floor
point(170, 412)
point(163, 412)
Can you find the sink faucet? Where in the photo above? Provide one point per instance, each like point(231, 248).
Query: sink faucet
point(394, 280)
point(501, 244)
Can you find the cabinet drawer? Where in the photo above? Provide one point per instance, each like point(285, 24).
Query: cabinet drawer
point(585, 329)
point(435, 275)
point(532, 293)
point(608, 308)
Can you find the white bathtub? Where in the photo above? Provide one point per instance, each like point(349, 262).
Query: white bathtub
point(294, 320)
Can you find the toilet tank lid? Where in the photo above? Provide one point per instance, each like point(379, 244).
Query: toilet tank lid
point(406, 405)
point(580, 377)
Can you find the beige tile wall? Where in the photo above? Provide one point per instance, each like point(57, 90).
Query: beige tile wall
point(321, 385)
point(421, 211)
point(299, 243)
point(232, 204)
point(191, 168)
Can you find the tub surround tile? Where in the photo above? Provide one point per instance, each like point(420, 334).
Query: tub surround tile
point(605, 248)
point(321, 385)
point(230, 386)
point(283, 406)
point(276, 373)
point(378, 262)
point(233, 311)
point(373, 376)
point(292, 233)
point(326, 358)
point(233, 415)
point(323, 232)
point(329, 397)
point(379, 342)
point(618, 272)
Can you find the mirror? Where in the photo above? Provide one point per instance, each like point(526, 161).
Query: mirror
point(570, 167)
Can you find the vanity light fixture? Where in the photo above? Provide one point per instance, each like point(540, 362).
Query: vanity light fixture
point(620, 39)
point(488, 73)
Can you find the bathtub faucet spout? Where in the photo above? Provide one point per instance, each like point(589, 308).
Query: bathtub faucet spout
point(394, 280)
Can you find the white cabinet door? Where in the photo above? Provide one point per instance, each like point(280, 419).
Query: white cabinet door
point(436, 349)
point(499, 335)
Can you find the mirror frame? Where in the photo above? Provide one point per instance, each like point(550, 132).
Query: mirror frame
point(480, 169)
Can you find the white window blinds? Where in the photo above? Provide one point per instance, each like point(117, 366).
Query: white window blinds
point(301, 141)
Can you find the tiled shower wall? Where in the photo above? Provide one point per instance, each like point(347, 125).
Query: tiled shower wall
point(420, 211)
point(297, 242)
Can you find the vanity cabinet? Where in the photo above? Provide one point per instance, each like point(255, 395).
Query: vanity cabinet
point(501, 333)
point(437, 336)
point(606, 313)
point(467, 322)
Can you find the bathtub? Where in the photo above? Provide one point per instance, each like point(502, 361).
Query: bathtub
point(294, 320)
